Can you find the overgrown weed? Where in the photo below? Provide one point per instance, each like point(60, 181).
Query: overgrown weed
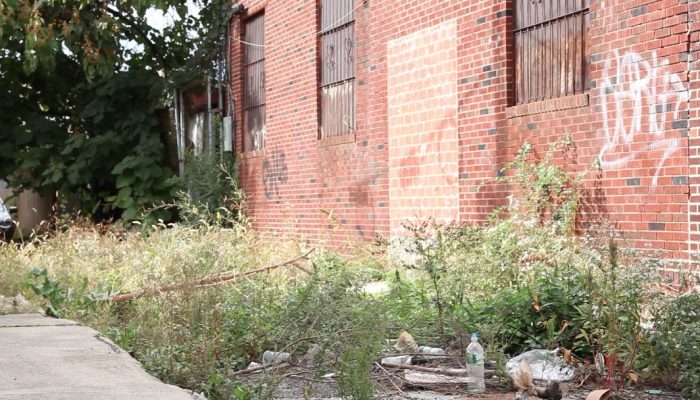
point(524, 280)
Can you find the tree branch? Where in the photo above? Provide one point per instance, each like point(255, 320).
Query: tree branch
point(134, 27)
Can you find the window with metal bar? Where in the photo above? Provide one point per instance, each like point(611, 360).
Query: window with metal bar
point(337, 85)
point(549, 48)
point(254, 84)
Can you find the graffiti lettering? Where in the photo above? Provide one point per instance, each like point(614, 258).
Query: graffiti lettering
point(634, 88)
point(274, 171)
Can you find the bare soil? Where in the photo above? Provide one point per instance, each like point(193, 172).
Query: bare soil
point(299, 383)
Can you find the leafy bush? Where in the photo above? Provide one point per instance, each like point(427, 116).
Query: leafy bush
point(524, 280)
point(674, 347)
point(58, 299)
point(212, 195)
point(531, 282)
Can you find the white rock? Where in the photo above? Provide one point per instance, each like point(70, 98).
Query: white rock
point(273, 357)
point(547, 365)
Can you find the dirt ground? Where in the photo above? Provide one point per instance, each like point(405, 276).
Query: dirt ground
point(297, 384)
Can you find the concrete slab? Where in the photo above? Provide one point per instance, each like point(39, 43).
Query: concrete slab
point(46, 358)
point(29, 320)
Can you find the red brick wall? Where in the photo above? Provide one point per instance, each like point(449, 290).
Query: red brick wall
point(639, 118)
point(423, 141)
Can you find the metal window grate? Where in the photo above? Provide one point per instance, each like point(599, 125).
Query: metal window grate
point(337, 85)
point(549, 48)
point(254, 84)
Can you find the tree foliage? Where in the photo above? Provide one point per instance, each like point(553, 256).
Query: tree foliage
point(84, 89)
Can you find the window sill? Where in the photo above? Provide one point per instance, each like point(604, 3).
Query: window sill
point(539, 107)
point(246, 155)
point(335, 140)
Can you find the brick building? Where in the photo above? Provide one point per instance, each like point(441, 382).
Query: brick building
point(355, 115)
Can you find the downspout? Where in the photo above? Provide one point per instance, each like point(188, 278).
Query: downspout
point(182, 132)
point(178, 133)
point(231, 106)
point(210, 131)
point(220, 111)
point(230, 142)
point(691, 185)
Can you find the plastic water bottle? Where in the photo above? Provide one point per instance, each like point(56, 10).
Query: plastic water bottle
point(475, 364)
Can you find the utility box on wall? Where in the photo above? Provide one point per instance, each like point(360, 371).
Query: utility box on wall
point(228, 134)
point(32, 209)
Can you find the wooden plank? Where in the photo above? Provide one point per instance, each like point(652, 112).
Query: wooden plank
point(556, 63)
point(578, 25)
point(541, 63)
point(586, 57)
point(562, 57)
point(549, 74)
point(518, 77)
point(530, 65)
point(571, 61)
point(426, 378)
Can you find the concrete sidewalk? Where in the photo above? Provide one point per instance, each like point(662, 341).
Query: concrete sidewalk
point(47, 358)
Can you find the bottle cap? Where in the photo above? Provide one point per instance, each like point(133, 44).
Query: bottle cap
point(475, 336)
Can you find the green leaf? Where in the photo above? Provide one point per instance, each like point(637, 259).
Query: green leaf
point(129, 214)
point(124, 195)
point(125, 180)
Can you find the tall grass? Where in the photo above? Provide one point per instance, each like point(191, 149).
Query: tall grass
point(524, 280)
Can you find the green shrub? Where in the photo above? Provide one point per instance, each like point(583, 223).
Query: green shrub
point(524, 280)
point(528, 279)
point(674, 345)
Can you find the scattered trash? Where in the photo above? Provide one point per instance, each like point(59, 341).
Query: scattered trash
point(427, 378)
point(397, 360)
point(21, 305)
point(656, 392)
point(600, 365)
point(376, 288)
point(7, 226)
point(435, 351)
point(429, 354)
point(16, 305)
point(406, 344)
point(316, 356)
point(524, 381)
point(603, 394)
point(252, 369)
point(253, 365)
point(198, 396)
point(273, 357)
point(546, 365)
point(475, 363)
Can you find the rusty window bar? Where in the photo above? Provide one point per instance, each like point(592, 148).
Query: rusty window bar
point(254, 84)
point(337, 63)
point(549, 41)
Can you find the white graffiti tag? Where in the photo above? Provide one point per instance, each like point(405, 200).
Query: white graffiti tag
point(635, 89)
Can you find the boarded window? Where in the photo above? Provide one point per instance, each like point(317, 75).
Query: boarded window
point(254, 84)
point(337, 86)
point(549, 48)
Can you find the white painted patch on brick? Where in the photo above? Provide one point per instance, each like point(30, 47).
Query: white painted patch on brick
point(423, 136)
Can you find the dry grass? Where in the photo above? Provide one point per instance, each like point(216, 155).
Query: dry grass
point(133, 260)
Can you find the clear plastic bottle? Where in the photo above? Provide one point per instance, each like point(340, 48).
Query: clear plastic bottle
point(475, 364)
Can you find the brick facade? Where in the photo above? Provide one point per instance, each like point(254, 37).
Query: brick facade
point(435, 121)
